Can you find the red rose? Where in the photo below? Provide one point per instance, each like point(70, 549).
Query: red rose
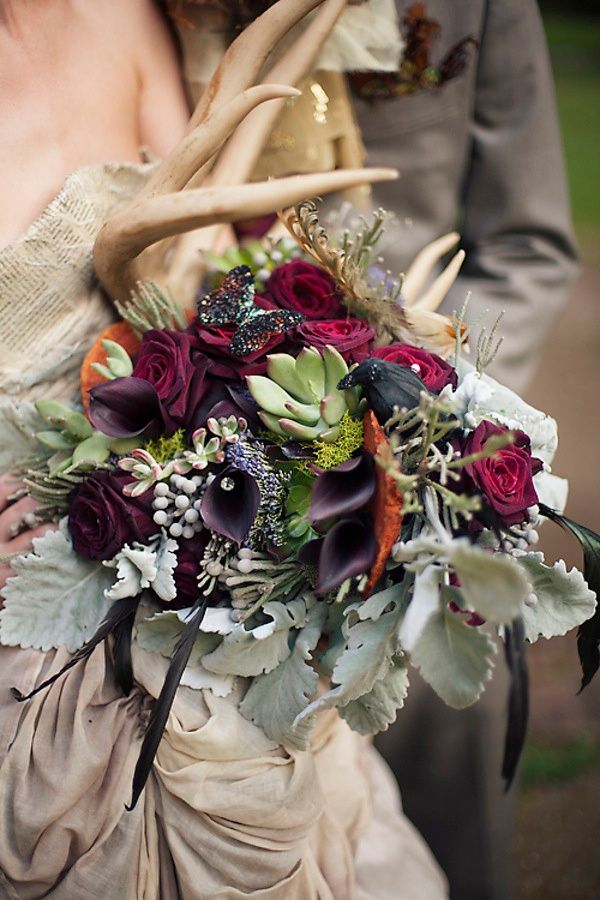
point(434, 372)
point(506, 479)
point(169, 361)
point(305, 288)
point(352, 338)
point(214, 341)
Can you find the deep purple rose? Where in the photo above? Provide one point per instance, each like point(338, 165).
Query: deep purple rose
point(169, 361)
point(434, 372)
point(102, 520)
point(305, 288)
point(352, 338)
point(214, 341)
point(506, 478)
point(189, 556)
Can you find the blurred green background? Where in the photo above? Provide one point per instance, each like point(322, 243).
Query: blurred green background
point(558, 819)
point(574, 42)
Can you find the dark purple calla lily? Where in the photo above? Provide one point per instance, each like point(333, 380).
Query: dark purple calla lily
point(344, 489)
point(126, 407)
point(348, 549)
point(230, 504)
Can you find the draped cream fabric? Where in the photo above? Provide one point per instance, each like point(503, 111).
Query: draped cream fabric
point(50, 310)
point(227, 813)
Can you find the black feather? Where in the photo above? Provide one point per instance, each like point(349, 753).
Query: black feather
point(518, 699)
point(122, 652)
point(162, 707)
point(385, 385)
point(588, 636)
point(121, 611)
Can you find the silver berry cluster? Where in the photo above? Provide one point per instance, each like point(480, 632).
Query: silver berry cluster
point(177, 504)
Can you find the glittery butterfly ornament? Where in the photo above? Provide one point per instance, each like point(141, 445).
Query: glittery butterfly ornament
point(233, 304)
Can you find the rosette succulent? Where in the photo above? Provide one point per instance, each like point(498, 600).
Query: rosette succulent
point(299, 397)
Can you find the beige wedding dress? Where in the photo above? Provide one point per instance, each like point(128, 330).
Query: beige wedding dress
point(226, 813)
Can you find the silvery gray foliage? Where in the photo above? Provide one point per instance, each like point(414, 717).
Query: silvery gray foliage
point(455, 659)
point(376, 710)
point(144, 566)
point(274, 699)
point(262, 648)
point(18, 427)
point(560, 601)
point(56, 597)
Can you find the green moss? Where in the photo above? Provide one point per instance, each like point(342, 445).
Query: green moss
point(165, 448)
point(349, 441)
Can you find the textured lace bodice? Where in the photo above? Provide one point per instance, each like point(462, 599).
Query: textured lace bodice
point(50, 305)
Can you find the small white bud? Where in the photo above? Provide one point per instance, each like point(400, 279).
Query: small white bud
point(191, 516)
point(176, 530)
point(160, 503)
point(182, 502)
point(161, 489)
point(245, 566)
point(160, 517)
point(188, 532)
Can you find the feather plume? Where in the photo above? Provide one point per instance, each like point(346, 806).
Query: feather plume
point(162, 707)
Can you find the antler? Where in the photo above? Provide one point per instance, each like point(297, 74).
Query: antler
point(170, 204)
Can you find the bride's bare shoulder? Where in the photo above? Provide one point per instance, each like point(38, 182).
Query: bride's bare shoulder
point(80, 82)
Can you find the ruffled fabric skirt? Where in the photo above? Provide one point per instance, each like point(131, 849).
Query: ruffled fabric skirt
point(226, 813)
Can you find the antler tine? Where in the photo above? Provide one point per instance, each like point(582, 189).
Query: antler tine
point(432, 297)
point(127, 234)
point(241, 65)
point(422, 265)
point(199, 145)
point(240, 155)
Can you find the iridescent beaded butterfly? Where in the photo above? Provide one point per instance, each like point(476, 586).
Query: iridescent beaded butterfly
point(233, 304)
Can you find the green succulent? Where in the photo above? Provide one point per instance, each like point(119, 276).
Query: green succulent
point(73, 440)
point(118, 362)
point(299, 398)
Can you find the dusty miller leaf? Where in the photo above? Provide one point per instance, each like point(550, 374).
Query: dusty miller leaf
point(261, 649)
point(18, 427)
point(274, 700)
point(370, 646)
point(564, 600)
point(159, 634)
point(454, 658)
point(375, 711)
point(56, 597)
point(491, 584)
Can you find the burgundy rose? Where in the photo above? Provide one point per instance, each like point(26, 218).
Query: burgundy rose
point(169, 361)
point(102, 520)
point(352, 338)
point(434, 372)
point(305, 288)
point(214, 341)
point(189, 556)
point(505, 479)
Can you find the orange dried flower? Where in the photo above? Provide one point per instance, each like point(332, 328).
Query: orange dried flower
point(386, 505)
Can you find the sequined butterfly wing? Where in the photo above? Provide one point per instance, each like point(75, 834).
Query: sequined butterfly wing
point(256, 332)
point(233, 304)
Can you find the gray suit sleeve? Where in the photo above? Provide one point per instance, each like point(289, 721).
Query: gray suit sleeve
point(516, 230)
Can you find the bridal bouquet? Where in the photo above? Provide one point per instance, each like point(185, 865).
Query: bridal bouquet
point(304, 485)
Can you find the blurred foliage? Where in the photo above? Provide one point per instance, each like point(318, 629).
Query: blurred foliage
point(574, 42)
point(553, 764)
